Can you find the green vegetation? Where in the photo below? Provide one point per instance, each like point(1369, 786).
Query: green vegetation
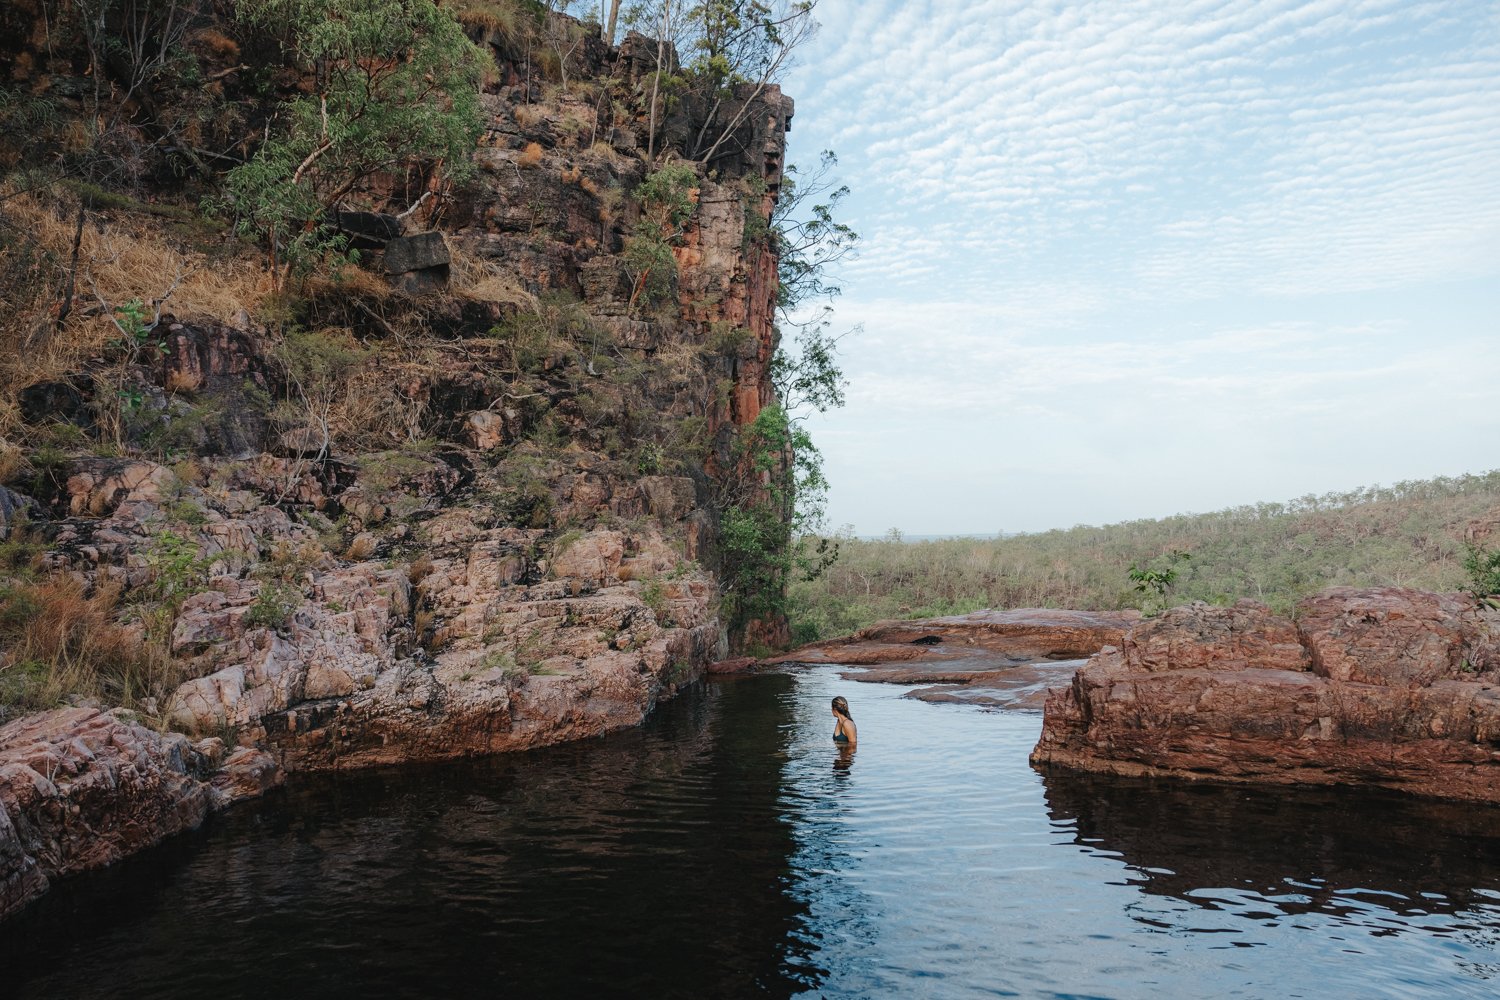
point(273, 605)
point(770, 508)
point(1157, 580)
point(1483, 567)
point(397, 87)
point(1407, 535)
point(727, 47)
point(773, 504)
point(668, 198)
point(62, 642)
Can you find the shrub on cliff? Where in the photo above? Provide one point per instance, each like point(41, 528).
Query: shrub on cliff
point(395, 85)
point(770, 508)
point(1483, 567)
point(668, 199)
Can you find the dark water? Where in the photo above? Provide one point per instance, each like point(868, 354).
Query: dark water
point(727, 849)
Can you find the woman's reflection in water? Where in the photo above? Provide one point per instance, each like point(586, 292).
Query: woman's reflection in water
point(843, 759)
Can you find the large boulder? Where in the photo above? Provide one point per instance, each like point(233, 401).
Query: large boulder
point(14, 509)
point(100, 485)
point(1198, 637)
point(1392, 637)
point(1388, 687)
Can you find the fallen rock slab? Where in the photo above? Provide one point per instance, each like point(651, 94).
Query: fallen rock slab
point(1383, 687)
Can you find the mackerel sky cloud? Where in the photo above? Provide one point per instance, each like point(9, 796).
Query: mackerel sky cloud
point(1124, 259)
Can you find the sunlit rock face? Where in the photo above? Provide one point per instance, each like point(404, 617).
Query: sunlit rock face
point(1387, 687)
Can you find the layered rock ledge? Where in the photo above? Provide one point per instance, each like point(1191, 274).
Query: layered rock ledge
point(1388, 687)
point(80, 789)
point(993, 658)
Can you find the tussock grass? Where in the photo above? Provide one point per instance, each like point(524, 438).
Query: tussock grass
point(59, 641)
point(123, 261)
point(505, 18)
point(122, 256)
point(479, 280)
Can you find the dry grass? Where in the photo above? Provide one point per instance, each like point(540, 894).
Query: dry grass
point(362, 547)
point(531, 156)
point(12, 461)
point(124, 258)
point(602, 150)
point(218, 45)
point(61, 641)
point(349, 282)
point(503, 17)
point(485, 281)
point(121, 257)
point(527, 115)
point(680, 357)
point(383, 405)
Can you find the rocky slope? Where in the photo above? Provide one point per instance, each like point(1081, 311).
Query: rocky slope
point(1392, 688)
point(464, 500)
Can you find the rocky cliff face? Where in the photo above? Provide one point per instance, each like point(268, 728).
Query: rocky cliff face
point(459, 500)
point(1387, 687)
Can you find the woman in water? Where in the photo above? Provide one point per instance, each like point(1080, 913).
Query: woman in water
point(843, 729)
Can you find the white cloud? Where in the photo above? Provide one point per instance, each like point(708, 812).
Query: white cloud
point(1228, 207)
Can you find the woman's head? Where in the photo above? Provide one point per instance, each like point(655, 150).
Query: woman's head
point(842, 708)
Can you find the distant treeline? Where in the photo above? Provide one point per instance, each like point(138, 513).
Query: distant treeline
point(1410, 534)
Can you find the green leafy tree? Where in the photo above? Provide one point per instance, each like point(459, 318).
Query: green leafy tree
point(740, 47)
point(730, 52)
point(668, 198)
point(1158, 580)
point(395, 85)
point(772, 509)
point(1483, 567)
point(771, 522)
point(810, 242)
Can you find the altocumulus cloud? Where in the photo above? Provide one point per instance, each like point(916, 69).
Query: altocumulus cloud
point(1217, 234)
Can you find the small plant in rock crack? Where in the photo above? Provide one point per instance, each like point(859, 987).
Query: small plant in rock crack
point(654, 596)
point(274, 606)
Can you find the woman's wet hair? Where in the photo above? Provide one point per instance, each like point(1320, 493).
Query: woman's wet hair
point(842, 707)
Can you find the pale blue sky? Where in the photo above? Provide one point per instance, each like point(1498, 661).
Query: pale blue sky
point(1134, 257)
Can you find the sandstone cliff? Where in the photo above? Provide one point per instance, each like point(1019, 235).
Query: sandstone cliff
point(460, 499)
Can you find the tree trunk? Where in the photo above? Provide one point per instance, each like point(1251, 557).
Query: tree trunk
point(609, 25)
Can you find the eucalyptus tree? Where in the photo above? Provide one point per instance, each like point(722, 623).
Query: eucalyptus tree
point(393, 84)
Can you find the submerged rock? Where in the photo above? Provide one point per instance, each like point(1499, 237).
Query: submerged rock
point(1388, 687)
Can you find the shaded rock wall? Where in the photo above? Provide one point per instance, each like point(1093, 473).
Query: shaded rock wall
point(1387, 687)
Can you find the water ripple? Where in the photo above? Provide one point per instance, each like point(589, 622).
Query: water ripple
point(729, 849)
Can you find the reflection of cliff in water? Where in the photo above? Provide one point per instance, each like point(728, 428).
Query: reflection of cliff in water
point(648, 863)
point(1286, 852)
